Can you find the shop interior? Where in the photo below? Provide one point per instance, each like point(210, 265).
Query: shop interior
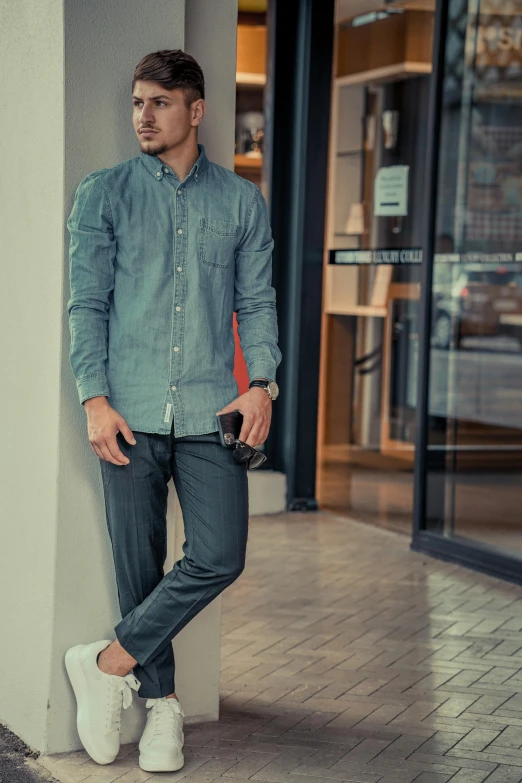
point(366, 435)
point(373, 262)
point(251, 69)
point(474, 427)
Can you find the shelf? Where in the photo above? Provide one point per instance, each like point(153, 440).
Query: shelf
point(250, 79)
point(368, 310)
point(346, 14)
point(251, 55)
point(394, 48)
point(388, 73)
point(512, 319)
point(413, 5)
point(246, 162)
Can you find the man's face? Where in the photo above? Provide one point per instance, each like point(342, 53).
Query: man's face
point(164, 113)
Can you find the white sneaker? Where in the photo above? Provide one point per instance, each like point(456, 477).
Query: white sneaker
point(99, 699)
point(161, 744)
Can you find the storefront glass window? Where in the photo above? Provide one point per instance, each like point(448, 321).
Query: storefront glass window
point(474, 445)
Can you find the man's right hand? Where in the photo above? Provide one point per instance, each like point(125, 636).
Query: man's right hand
point(103, 422)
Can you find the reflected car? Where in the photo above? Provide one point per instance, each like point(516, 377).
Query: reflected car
point(479, 303)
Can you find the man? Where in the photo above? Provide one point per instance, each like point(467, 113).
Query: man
point(164, 248)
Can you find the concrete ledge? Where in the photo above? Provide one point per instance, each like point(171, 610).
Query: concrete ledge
point(267, 492)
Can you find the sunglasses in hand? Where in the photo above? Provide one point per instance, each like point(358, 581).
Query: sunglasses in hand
point(229, 426)
point(242, 451)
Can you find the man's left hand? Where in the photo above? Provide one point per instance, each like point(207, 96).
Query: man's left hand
point(256, 407)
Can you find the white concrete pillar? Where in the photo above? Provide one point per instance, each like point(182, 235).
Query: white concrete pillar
point(67, 69)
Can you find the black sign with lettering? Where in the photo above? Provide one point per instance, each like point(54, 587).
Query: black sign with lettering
point(396, 255)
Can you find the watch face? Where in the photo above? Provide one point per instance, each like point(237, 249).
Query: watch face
point(274, 389)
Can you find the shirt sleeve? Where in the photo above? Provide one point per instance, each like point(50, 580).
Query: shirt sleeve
point(92, 251)
point(254, 295)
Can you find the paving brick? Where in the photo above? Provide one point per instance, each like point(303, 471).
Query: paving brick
point(514, 703)
point(417, 712)
point(505, 774)
point(454, 761)
point(353, 714)
point(248, 766)
point(385, 714)
point(469, 776)
point(440, 743)
point(407, 766)
point(454, 706)
point(487, 704)
point(510, 737)
point(366, 750)
point(281, 723)
point(486, 755)
point(401, 748)
point(477, 739)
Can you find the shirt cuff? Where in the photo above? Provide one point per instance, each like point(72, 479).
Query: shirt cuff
point(262, 371)
point(92, 386)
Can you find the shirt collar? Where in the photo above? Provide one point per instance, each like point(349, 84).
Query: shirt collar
point(159, 169)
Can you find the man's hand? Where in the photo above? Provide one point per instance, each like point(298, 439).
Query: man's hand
point(256, 407)
point(103, 422)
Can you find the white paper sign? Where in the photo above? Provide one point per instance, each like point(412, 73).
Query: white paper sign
point(391, 191)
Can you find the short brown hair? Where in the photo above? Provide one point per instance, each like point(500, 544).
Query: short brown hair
point(173, 69)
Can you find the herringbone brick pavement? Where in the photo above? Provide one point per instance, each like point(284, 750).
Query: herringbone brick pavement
point(347, 657)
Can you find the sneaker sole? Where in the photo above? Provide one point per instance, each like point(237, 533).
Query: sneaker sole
point(79, 685)
point(157, 766)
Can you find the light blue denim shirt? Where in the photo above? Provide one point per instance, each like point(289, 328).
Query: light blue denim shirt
point(157, 268)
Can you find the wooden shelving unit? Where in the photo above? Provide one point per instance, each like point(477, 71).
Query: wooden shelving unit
point(250, 83)
point(359, 300)
point(374, 312)
point(387, 73)
point(244, 79)
point(386, 49)
point(247, 162)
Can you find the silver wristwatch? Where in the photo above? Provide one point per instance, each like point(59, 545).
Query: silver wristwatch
point(271, 387)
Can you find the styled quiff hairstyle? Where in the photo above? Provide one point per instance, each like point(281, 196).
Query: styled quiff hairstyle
point(173, 69)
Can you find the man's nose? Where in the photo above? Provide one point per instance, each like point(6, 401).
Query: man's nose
point(146, 114)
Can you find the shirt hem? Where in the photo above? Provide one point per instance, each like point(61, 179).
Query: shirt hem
point(206, 431)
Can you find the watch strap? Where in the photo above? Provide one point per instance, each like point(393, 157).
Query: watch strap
point(259, 382)
point(263, 384)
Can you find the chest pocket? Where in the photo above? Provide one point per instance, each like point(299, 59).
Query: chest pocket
point(218, 240)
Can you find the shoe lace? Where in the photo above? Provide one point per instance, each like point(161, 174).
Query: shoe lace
point(120, 694)
point(166, 715)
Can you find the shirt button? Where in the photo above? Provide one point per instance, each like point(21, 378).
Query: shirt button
point(179, 192)
point(173, 388)
point(178, 308)
point(176, 348)
point(180, 230)
point(180, 268)
point(165, 169)
point(158, 174)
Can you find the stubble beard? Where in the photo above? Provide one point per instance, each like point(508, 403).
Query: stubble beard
point(153, 150)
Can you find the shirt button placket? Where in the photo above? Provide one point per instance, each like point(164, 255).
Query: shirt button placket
point(179, 288)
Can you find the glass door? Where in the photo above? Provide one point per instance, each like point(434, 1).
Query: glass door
point(474, 410)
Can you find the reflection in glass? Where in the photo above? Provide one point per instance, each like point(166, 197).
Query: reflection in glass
point(474, 459)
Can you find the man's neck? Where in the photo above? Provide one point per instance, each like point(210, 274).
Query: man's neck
point(181, 159)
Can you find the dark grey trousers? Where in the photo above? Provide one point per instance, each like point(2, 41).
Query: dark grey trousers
point(213, 493)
